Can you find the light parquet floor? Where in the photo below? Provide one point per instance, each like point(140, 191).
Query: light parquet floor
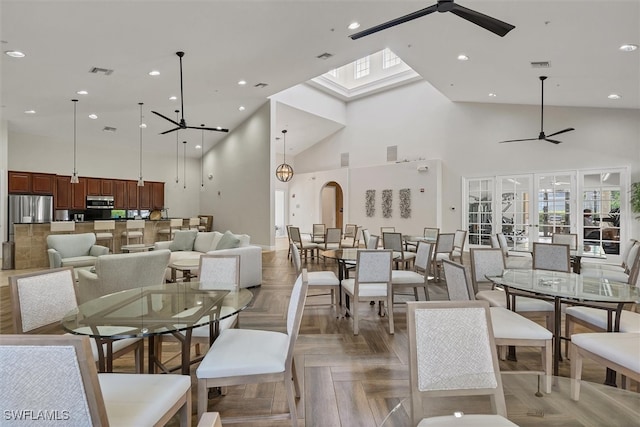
point(346, 380)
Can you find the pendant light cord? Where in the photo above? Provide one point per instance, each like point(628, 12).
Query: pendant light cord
point(140, 177)
point(202, 160)
point(75, 103)
point(184, 164)
point(177, 146)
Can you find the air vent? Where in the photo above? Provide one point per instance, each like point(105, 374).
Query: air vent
point(109, 129)
point(260, 85)
point(392, 153)
point(344, 160)
point(325, 55)
point(540, 64)
point(98, 70)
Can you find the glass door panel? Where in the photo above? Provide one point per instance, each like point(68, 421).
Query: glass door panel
point(555, 206)
point(515, 208)
point(601, 210)
point(480, 211)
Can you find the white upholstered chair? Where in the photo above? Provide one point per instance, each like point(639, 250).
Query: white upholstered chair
point(41, 299)
point(175, 224)
point(246, 356)
point(393, 241)
point(372, 282)
point(513, 260)
point(565, 239)
point(317, 233)
point(319, 280)
point(331, 240)
point(134, 229)
point(444, 247)
point(624, 272)
point(419, 276)
point(459, 240)
point(104, 231)
point(509, 328)
point(372, 242)
point(194, 223)
point(551, 256)
point(616, 350)
point(452, 352)
point(210, 419)
point(302, 245)
point(74, 386)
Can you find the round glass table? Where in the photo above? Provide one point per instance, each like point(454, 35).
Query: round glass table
point(148, 312)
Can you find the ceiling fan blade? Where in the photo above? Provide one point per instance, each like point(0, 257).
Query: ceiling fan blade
point(170, 130)
point(553, 141)
point(166, 118)
point(562, 131)
point(409, 17)
point(215, 129)
point(519, 140)
point(487, 22)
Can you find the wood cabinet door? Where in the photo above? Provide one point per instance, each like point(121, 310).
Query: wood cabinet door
point(94, 187)
point(63, 192)
point(79, 194)
point(42, 183)
point(107, 187)
point(144, 196)
point(157, 195)
point(19, 182)
point(132, 195)
point(120, 194)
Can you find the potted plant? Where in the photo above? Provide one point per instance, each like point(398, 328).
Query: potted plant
point(635, 198)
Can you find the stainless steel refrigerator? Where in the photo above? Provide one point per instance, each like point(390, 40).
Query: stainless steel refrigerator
point(29, 209)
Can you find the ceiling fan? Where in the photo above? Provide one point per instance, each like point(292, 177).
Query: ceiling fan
point(183, 124)
point(542, 136)
point(487, 22)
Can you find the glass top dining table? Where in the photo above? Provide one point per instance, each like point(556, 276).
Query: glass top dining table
point(152, 311)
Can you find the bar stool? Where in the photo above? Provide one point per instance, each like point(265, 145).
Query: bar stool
point(63, 227)
point(194, 223)
point(174, 224)
point(104, 231)
point(134, 229)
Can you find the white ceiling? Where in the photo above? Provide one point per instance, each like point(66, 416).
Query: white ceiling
point(276, 42)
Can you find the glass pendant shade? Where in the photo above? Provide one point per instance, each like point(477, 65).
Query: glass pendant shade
point(284, 171)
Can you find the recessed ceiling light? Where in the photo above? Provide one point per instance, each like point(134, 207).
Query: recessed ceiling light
point(173, 98)
point(143, 126)
point(93, 116)
point(30, 111)
point(154, 73)
point(628, 47)
point(15, 53)
point(242, 82)
point(82, 92)
point(354, 25)
point(241, 108)
point(463, 57)
point(614, 96)
point(198, 147)
point(493, 95)
point(219, 127)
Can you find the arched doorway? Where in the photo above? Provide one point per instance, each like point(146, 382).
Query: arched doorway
point(331, 204)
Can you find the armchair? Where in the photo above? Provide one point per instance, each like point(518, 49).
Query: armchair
point(73, 250)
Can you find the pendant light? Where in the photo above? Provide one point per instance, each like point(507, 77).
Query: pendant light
point(177, 144)
point(284, 172)
point(74, 177)
point(142, 126)
point(184, 164)
point(202, 161)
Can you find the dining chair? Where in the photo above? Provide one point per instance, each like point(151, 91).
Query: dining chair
point(509, 328)
point(419, 276)
point(513, 260)
point(366, 234)
point(210, 419)
point(623, 267)
point(387, 230)
point(248, 356)
point(350, 230)
point(290, 241)
point(41, 299)
point(74, 389)
point(487, 262)
point(565, 239)
point(318, 232)
point(616, 350)
point(429, 233)
point(393, 241)
point(175, 224)
point(442, 251)
point(551, 256)
point(351, 239)
point(134, 229)
point(459, 240)
point(303, 246)
point(319, 280)
point(331, 240)
point(372, 242)
point(618, 273)
point(372, 282)
point(104, 231)
point(453, 358)
point(194, 223)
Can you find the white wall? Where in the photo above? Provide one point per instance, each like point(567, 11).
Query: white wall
point(313, 101)
point(423, 123)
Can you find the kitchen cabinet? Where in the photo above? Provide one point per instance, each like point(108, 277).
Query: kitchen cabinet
point(144, 196)
point(157, 195)
point(30, 183)
point(63, 194)
point(132, 195)
point(42, 183)
point(107, 187)
point(99, 187)
point(19, 182)
point(79, 194)
point(120, 194)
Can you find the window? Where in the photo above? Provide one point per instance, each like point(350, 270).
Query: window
point(389, 59)
point(480, 210)
point(601, 210)
point(361, 67)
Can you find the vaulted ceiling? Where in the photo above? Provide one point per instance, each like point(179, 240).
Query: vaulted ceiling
point(277, 43)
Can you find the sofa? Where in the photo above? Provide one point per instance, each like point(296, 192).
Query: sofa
point(191, 244)
point(118, 272)
point(75, 250)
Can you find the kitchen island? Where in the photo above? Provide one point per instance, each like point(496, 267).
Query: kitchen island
point(31, 239)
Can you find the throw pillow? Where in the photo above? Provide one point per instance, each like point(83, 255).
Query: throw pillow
point(228, 241)
point(183, 240)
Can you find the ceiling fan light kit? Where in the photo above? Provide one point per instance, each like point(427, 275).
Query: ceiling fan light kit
point(489, 23)
point(541, 135)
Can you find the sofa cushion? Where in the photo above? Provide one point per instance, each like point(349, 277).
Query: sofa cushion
point(228, 241)
point(216, 239)
point(183, 240)
point(203, 241)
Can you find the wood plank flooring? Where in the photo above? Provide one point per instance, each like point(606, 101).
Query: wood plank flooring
point(346, 380)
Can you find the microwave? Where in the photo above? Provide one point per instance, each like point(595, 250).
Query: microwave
point(99, 202)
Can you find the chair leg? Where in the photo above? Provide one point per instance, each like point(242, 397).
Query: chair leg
point(576, 371)
point(354, 314)
point(568, 331)
point(291, 399)
point(390, 313)
point(547, 363)
point(203, 396)
point(294, 375)
point(139, 355)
